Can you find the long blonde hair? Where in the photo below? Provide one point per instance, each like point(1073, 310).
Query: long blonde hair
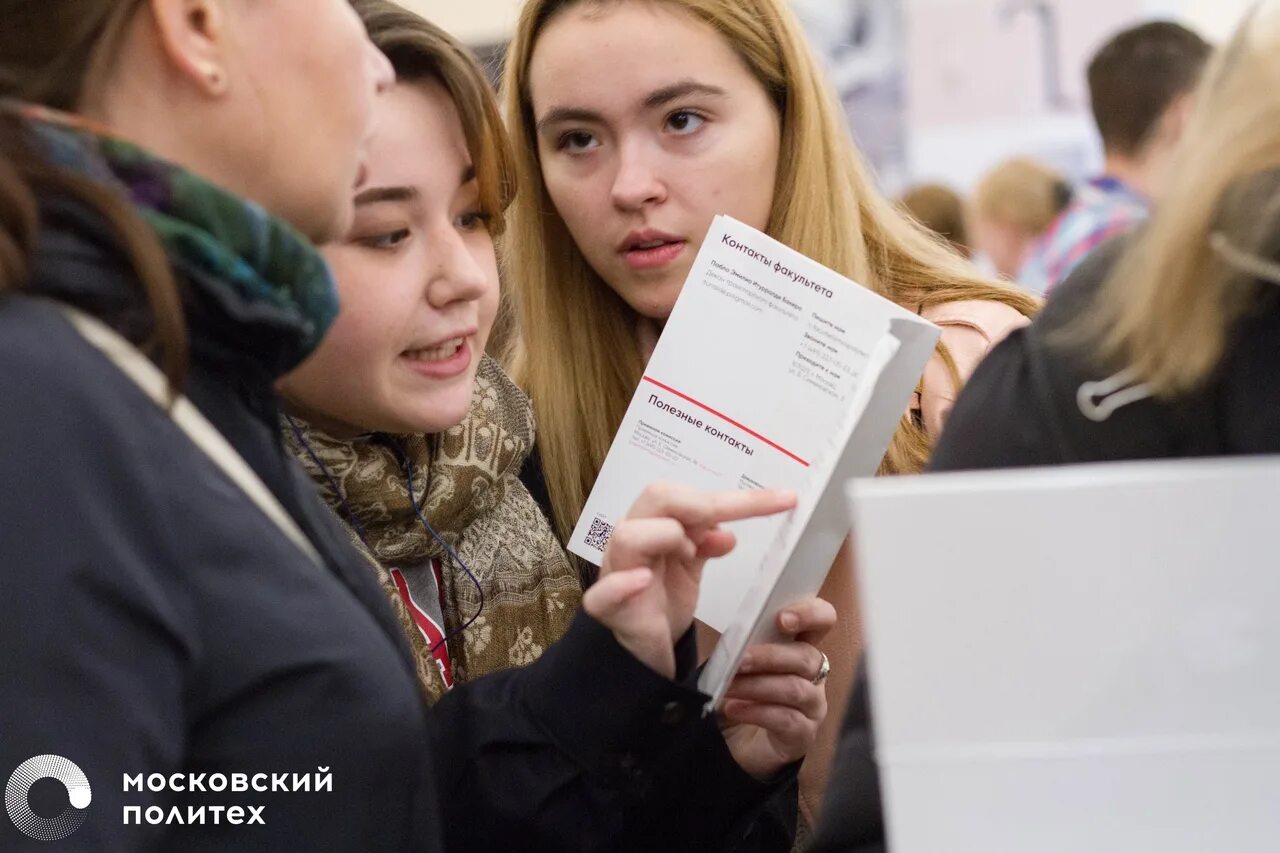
point(577, 355)
point(1166, 311)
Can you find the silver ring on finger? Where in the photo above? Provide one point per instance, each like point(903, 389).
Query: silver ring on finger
point(824, 670)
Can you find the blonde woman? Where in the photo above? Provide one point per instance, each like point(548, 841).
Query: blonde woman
point(1158, 346)
point(635, 123)
point(1011, 208)
point(1167, 346)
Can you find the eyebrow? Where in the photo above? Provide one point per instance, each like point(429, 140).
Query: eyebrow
point(382, 195)
point(658, 98)
point(682, 89)
point(567, 114)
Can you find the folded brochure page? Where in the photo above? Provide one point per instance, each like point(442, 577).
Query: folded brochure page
point(772, 372)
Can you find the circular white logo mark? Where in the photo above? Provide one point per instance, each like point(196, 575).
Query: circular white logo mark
point(16, 797)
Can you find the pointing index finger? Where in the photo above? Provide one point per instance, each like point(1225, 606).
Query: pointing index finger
point(753, 503)
point(695, 509)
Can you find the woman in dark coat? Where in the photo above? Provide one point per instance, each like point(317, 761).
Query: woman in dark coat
point(191, 646)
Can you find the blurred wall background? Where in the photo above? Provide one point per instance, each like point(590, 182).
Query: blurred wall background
point(941, 89)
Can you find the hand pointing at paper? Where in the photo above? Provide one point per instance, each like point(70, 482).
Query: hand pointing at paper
point(647, 593)
point(652, 569)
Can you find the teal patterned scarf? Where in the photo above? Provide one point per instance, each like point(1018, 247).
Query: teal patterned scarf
point(205, 229)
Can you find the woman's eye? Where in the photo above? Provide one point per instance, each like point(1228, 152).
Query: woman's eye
point(474, 221)
point(577, 141)
point(386, 241)
point(684, 121)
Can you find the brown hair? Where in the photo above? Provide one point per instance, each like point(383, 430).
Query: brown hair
point(1136, 76)
point(420, 51)
point(940, 209)
point(577, 355)
point(48, 53)
point(1023, 193)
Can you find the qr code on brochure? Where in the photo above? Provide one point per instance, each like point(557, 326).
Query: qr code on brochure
point(598, 535)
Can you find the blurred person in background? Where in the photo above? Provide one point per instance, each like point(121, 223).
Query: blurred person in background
point(1011, 208)
point(1140, 89)
point(940, 209)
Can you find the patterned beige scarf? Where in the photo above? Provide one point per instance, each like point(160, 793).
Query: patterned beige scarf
point(466, 481)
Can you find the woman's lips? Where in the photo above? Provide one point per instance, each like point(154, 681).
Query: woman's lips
point(447, 367)
point(655, 257)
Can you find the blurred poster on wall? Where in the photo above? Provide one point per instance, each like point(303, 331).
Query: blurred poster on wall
point(991, 79)
point(940, 89)
point(862, 45)
point(1012, 83)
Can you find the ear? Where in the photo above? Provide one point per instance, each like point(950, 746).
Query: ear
point(193, 35)
point(1176, 116)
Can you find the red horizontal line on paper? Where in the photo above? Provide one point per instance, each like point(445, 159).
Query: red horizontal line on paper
point(726, 418)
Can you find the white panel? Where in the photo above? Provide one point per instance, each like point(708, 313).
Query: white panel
point(1078, 658)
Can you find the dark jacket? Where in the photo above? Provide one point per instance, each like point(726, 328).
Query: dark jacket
point(155, 622)
point(1020, 408)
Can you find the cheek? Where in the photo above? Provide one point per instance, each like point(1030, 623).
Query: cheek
point(578, 196)
point(368, 316)
point(490, 301)
point(761, 172)
point(333, 58)
point(347, 357)
point(331, 99)
point(335, 380)
point(740, 179)
point(1010, 245)
point(991, 239)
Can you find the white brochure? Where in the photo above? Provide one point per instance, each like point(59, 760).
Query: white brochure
point(772, 371)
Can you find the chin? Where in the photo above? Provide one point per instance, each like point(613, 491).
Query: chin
point(655, 302)
point(441, 416)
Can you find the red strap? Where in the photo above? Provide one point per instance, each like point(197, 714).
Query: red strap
point(433, 633)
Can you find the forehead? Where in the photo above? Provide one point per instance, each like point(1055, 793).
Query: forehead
point(612, 56)
point(418, 141)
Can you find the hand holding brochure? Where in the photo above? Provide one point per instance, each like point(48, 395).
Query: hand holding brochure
point(772, 371)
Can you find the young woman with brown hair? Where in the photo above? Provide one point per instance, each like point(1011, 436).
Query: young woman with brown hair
point(414, 437)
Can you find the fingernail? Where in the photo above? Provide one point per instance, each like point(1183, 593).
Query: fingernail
point(747, 663)
point(790, 622)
